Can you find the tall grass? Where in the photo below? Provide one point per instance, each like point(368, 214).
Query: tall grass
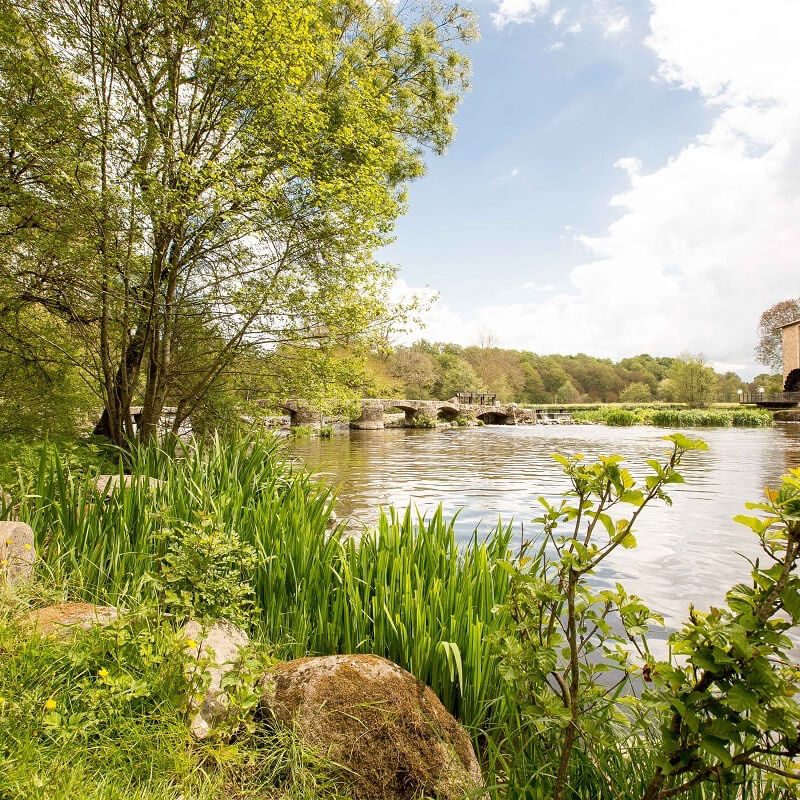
point(405, 591)
point(677, 417)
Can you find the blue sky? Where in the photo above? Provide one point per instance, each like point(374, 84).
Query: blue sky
point(598, 159)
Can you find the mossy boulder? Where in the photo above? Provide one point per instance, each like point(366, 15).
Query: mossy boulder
point(62, 620)
point(387, 731)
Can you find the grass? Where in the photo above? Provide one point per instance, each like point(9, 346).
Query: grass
point(405, 591)
point(104, 717)
point(316, 592)
point(677, 417)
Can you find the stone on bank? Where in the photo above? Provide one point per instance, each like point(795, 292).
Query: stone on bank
point(17, 553)
point(389, 733)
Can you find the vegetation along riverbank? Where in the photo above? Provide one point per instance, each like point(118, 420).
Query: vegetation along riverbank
point(676, 417)
point(551, 678)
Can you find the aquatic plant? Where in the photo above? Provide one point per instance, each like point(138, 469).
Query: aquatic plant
point(406, 590)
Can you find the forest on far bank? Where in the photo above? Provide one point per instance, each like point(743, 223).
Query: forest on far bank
point(438, 370)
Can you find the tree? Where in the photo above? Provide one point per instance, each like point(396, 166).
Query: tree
point(768, 348)
point(728, 386)
point(667, 391)
point(239, 164)
point(417, 369)
point(771, 384)
point(456, 376)
point(694, 380)
point(552, 374)
point(567, 393)
point(636, 393)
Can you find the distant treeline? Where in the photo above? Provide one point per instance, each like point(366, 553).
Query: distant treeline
point(438, 370)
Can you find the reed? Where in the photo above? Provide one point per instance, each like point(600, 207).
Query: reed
point(405, 590)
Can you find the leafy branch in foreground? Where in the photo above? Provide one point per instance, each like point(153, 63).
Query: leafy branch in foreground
point(731, 700)
point(565, 633)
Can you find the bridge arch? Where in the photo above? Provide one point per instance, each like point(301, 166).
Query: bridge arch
point(447, 412)
point(493, 418)
point(409, 409)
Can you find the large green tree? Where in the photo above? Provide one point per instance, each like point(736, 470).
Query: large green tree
point(237, 163)
point(694, 380)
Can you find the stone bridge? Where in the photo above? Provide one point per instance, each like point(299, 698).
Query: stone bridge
point(373, 410)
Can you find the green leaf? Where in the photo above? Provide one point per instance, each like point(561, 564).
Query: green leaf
point(717, 748)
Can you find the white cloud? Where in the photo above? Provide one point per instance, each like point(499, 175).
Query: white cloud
point(558, 17)
point(556, 46)
point(615, 24)
point(706, 242)
point(630, 165)
point(575, 28)
point(507, 176)
point(518, 11)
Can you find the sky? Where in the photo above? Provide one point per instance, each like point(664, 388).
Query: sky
point(625, 178)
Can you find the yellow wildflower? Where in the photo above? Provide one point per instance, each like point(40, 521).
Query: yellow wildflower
point(27, 546)
point(50, 704)
point(191, 644)
point(103, 673)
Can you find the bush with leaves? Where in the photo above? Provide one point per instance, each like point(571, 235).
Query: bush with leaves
point(207, 573)
point(730, 700)
point(575, 657)
point(562, 639)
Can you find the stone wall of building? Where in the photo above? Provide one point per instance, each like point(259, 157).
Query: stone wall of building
point(791, 348)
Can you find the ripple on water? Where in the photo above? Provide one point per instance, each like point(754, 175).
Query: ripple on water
point(689, 553)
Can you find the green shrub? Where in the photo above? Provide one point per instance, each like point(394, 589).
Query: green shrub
point(422, 421)
point(301, 431)
point(104, 717)
point(619, 417)
point(207, 573)
point(315, 591)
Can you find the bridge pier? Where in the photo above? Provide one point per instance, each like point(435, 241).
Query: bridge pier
point(302, 415)
point(371, 418)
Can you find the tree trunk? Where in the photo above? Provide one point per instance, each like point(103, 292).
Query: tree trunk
point(115, 422)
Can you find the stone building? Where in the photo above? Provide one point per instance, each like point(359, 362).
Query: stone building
point(791, 356)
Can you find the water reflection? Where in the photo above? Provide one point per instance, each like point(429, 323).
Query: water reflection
point(689, 553)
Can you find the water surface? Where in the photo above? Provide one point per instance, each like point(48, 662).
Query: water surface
point(689, 553)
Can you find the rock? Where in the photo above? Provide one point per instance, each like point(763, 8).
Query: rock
point(62, 619)
point(222, 644)
point(106, 484)
point(17, 553)
point(387, 730)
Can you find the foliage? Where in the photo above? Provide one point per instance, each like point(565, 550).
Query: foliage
point(620, 417)
point(769, 345)
point(636, 392)
point(189, 181)
point(426, 370)
point(406, 590)
point(315, 590)
point(730, 697)
point(690, 418)
point(207, 573)
point(561, 638)
point(694, 380)
point(422, 421)
point(666, 417)
point(20, 458)
point(104, 717)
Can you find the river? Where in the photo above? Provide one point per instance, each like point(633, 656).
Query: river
point(688, 553)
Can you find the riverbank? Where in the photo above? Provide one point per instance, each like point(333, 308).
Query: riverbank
point(720, 417)
point(175, 538)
